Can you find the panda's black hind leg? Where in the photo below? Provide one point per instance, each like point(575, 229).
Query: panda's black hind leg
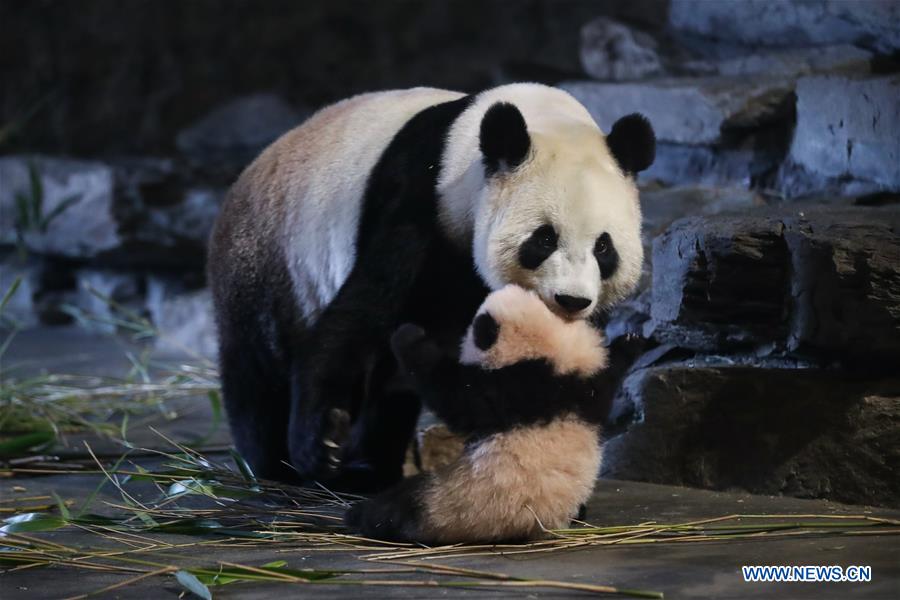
point(257, 404)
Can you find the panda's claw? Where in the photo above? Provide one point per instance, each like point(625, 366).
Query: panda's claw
point(335, 437)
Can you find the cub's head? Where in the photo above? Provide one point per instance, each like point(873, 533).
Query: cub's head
point(514, 325)
point(555, 206)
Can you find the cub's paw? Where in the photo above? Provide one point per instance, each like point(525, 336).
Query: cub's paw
point(405, 339)
point(393, 515)
point(414, 350)
point(317, 452)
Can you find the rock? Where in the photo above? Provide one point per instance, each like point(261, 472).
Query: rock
point(614, 51)
point(809, 23)
point(225, 140)
point(720, 283)
point(821, 282)
point(183, 318)
point(679, 164)
point(793, 181)
point(69, 205)
point(660, 207)
point(849, 128)
point(688, 110)
point(801, 432)
point(788, 62)
point(125, 212)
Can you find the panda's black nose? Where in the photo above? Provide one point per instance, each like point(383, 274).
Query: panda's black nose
point(572, 304)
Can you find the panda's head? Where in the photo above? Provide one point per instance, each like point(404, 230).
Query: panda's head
point(549, 202)
point(514, 325)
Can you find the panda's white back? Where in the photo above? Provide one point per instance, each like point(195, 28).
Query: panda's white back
point(314, 178)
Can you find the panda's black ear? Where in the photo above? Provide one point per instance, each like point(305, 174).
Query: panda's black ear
point(485, 331)
point(632, 143)
point(503, 139)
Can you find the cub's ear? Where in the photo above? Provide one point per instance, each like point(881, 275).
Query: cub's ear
point(485, 331)
point(503, 139)
point(632, 143)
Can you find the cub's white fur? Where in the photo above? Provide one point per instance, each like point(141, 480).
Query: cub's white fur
point(514, 483)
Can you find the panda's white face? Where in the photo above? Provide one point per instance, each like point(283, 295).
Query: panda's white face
point(547, 201)
point(565, 223)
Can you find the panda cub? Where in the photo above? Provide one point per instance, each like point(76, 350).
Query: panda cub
point(522, 394)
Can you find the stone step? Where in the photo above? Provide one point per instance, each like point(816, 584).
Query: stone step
point(820, 282)
point(799, 432)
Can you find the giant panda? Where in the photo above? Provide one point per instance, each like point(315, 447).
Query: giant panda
point(405, 206)
point(523, 395)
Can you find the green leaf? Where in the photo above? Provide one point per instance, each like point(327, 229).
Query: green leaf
point(208, 488)
point(192, 584)
point(57, 210)
point(243, 467)
point(223, 576)
point(23, 213)
point(10, 292)
point(63, 509)
point(204, 527)
point(215, 401)
point(37, 194)
point(27, 441)
point(32, 522)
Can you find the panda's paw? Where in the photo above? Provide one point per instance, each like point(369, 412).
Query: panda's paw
point(317, 453)
point(335, 436)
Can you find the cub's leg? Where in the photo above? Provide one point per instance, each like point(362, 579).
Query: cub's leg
point(396, 514)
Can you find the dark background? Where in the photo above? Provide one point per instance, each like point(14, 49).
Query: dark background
point(108, 76)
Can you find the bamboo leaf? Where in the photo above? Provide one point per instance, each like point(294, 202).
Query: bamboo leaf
point(31, 522)
point(63, 509)
point(57, 210)
point(10, 292)
point(243, 467)
point(36, 194)
point(27, 441)
point(192, 584)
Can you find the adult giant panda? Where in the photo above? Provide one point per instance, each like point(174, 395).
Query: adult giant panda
point(405, 206)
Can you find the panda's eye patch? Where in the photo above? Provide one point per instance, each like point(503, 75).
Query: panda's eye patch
point(485, 331)
point(538, 247)
point(606, 255)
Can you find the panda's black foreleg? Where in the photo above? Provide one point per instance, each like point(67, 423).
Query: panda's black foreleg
point(374, 457)
point(336, 354)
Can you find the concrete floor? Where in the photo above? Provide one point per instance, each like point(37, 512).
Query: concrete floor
point(686, 570)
